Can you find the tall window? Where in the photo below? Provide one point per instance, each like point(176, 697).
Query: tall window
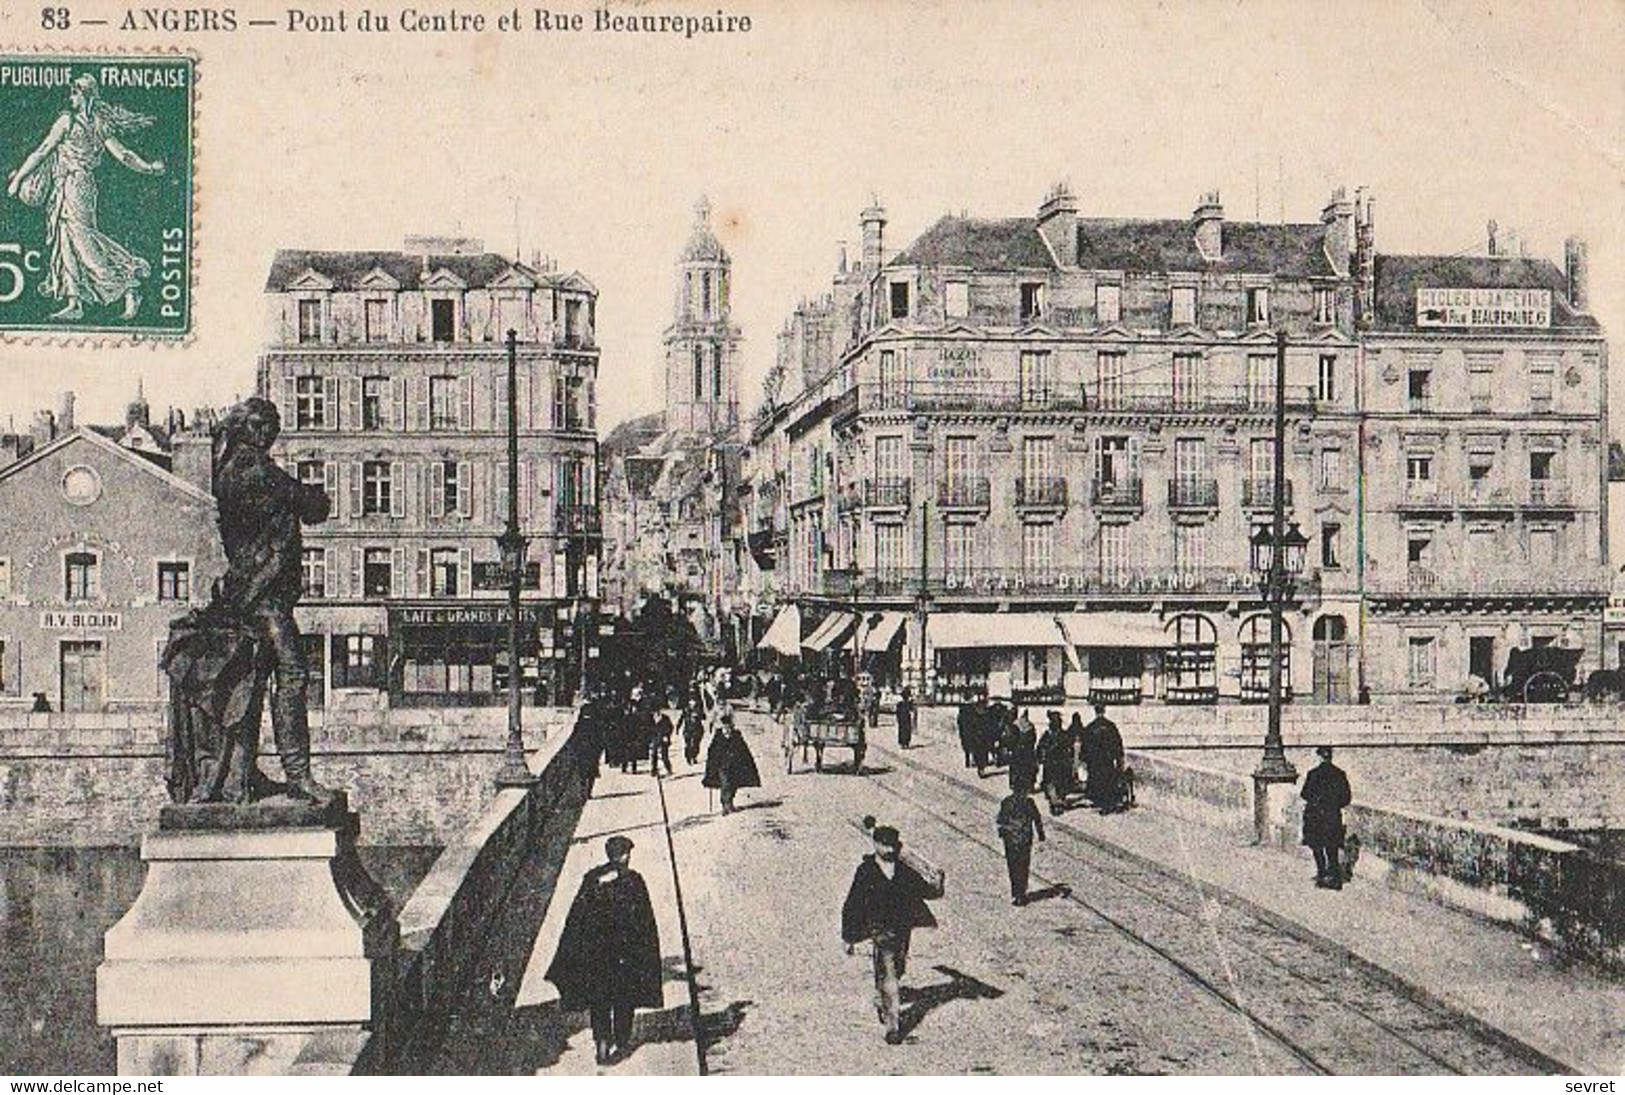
point(1326, 392)
point(1261, 470)
point(1038, 550)
point(891, 377)
point(1419, 481)
point(313, 572)
point(443, 320)
point(453, 491)
point(1331, 546)
point(956, 299)
point(376, 487)
point(959, 550)
point(705, 294)
point(1258, 306)
point(310, 321)
point(374, 390)
point(889, 548)
point(1115, 464)
point(1325, 304)
point(699, 373)
point(1419, 389)
point(899, 299)
point(443, 576)
point(1035, 378)
point(1108, 304)
point(175, 582)
point(959, 461)
point(889, 458)
point(1032, 299)
point(1540, 389)
point(1112, 552)
point(1191, 485)
point(1261, 381)
point(1109, 368)
point(377, 572)
point(1183, 304)
point(445, 402)
point(1480, 388)
point(1037, 467)
point(1331, 469)
point(375, 314)
point(309, 403)
point(1421, 664)
point(1189, 377)
point(82, 574)
point(1190, 550)
point(716, 372)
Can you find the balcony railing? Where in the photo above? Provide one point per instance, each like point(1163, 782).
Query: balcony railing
point(1193, 493)
point(1260, 493)
point(887, 491)
point(1497, 581)
point(1481, 495)
point(1060, 582)
point(1425, 494)
point(1194, 397)
point(970, 492)
point(1549, 493)
point(573, 340)
point(1118, 493)
point(1006, 395)
point(578, 520)
point(1048, 491)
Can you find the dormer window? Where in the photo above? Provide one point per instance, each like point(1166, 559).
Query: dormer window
point(899, 299)
point(956, 301)
point(310, 321)
point(1325, 305)
point(1258, 305)
point(376, 320)
point(443, 319)
point(1032, 300)
point(1183, 301)
point(1108, 303)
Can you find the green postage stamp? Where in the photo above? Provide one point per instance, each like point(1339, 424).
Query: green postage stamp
point(96, 219)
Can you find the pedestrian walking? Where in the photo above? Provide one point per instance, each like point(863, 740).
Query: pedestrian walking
point(1103, 762)
point(1325, 792)
point(608, 960)
point(660, 744)
point(692, 727)
point(1022, 749)
point(905, 718)
point(1019, 819)
point(886, 902)
point(729, 764)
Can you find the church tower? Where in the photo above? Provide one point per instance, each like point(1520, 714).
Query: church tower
point(702, 344)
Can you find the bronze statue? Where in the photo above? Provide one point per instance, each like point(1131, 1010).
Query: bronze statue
point(222, 658)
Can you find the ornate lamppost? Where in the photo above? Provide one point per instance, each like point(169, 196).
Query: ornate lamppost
point(515, 772)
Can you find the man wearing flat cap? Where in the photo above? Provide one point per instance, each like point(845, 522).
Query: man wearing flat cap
point(886, 903)
point(608, 961)
point(1325, 793)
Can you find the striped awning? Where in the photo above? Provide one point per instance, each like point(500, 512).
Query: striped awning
point(829, 633)
point(883, 632)
point(784, 633)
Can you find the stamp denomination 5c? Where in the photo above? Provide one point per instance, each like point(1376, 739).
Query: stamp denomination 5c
point(96, 218)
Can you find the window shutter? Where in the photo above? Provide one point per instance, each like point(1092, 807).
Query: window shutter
point(465, 409)
point(422, 589)
point(477, 509)
point(465, 572)
point(592, 406)
point(330, 400)
point(437, 488)
point(356, 508)
point(496, 491)
point(330, 483)
point(1134, 457)
point(329, 576)
point(526, 477)
point(397, 399)
point(353, 402)
point(397, 489)
point(499, 402)
point(357, 589)
point(290, 403)
point(523, 376)
point(465, 489)
point(397, 572)
point(418, 387)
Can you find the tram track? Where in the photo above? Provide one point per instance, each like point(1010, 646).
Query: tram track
point(1341, 1015)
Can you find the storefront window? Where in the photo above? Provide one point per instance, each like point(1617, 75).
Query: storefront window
point(1190, 661)
point(358, 661)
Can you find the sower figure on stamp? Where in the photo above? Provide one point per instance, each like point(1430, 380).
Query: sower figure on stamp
point(886, 902)
point(1325, 792)
point(608, 961)
point(222, 658)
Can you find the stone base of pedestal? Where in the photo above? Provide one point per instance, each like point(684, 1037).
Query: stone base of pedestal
point(1272, 800)
point(257, 929)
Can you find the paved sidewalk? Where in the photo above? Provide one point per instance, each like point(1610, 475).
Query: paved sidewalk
point(663, 1041)
point(1485, 970)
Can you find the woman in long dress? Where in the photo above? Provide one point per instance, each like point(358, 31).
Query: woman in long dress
point(61, 175)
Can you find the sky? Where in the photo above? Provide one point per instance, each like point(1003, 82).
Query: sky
point(592, 148)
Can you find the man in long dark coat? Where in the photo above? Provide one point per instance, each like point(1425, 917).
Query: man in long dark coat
point(729, 764)
point(1325, 792)
point(965, 720)
point(886, 902)
point(905, 719)
point(1021, 746)
point(1103, 761)
point(608, 961)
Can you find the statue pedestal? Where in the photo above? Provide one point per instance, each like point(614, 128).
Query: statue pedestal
point(257, 928)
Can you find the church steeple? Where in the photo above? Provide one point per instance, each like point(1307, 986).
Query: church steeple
point(702, 386)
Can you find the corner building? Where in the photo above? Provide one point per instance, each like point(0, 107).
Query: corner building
point(390, 370)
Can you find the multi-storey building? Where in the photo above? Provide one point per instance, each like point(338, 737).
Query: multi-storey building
point(391, 372)
point(1037, 462)
point(1485, 456)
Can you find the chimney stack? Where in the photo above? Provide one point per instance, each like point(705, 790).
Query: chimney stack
point(44, 431)
point(1577, 273)
point(840, 266)
point(1058, 223)
point(1209, 221)
point(1338, 217)
point(191, 457)
point(65, 415)
point(873, 220)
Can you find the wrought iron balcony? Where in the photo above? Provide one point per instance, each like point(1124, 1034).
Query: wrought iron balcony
point(1479, 494)
point(580, 339)
point(1549, 494)
point(1425, 494)
point(1009, 395)
point(578, 520)
point(1057, 582)
point(887, 492)
point(1041, 492)
point(1121, 493)
point(965, 492)
point(1193, 493)
point(1259, 493)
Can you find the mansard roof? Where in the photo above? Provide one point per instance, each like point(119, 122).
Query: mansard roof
point(348, 270)
point(1012, 243)
point(1398, 277)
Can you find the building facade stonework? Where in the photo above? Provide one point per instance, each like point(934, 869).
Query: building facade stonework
point(391, 373)
point(1037, 460)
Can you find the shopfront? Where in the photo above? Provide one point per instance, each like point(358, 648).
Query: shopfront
point(457, 655)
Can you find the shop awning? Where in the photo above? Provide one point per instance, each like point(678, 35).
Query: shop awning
point(883, 632)
point(969, 630)
point(830, 632)
point(1121, 630)
point(784, 633)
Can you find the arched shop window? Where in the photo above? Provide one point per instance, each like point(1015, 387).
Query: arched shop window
point(1190, 664)
point(1255, 659)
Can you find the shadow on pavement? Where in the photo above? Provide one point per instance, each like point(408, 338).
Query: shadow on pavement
point(920, 1002)
point(1060, 889)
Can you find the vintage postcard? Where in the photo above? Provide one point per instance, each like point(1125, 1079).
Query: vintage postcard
point(909, 538)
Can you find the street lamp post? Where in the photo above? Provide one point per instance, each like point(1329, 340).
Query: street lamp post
point(1277, 557)
point(515, 772)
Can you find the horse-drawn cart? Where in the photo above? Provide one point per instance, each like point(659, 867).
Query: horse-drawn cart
point(816, 733)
